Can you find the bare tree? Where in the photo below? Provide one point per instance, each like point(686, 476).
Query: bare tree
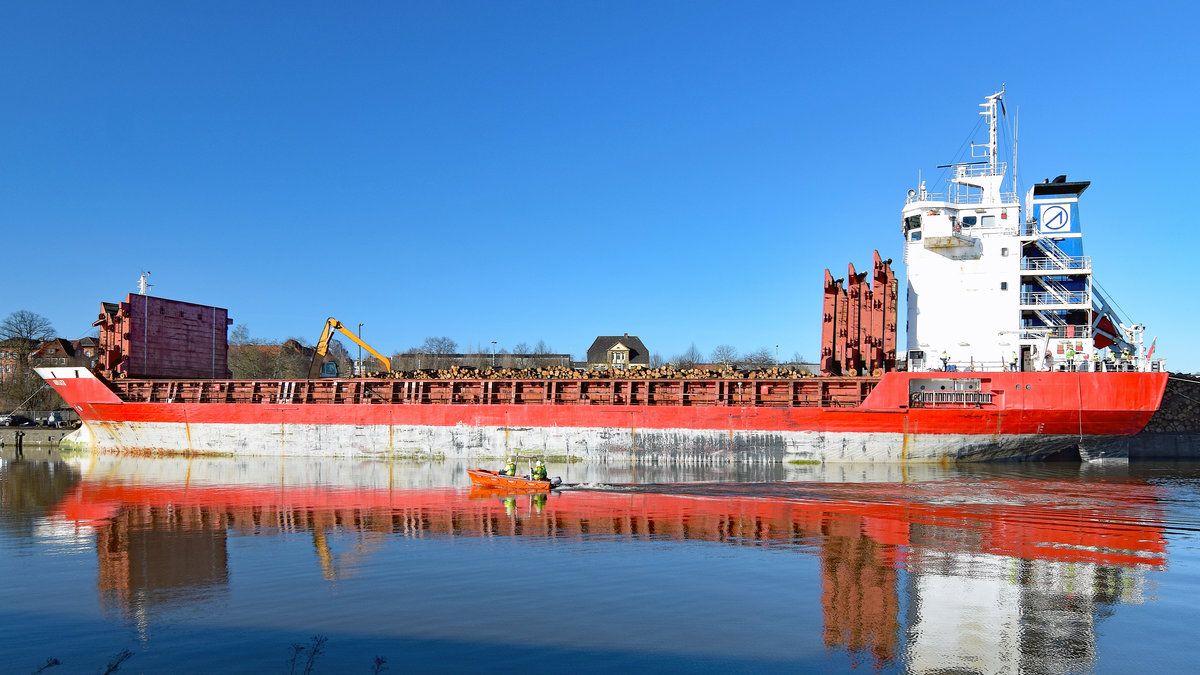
point(437, 348)
point(240, 335)
point(249, 357)
point(439, 345)
point(689, 358)
point(724, 354)
point(656, 360)
point(23, 331)
point(542, 348)
point(521, 349)
point(797, 357)
point(760, 357)
point(338, 354)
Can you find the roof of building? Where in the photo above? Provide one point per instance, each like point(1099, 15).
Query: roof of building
point(598, 352)
point(60, 345)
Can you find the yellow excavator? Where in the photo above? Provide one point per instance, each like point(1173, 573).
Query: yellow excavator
point(315, 370)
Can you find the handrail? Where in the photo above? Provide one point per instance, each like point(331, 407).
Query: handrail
point(1082, 262)
point(1046, 298)
point(1006, 198)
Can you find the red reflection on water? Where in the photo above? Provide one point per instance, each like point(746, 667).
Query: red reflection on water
point(147, 534)
point(1114, 523)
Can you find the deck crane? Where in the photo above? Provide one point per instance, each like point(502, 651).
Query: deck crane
point(331, 324)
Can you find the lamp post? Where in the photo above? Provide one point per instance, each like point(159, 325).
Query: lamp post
point(776, 354)
point(493, 353)
point(360, 350)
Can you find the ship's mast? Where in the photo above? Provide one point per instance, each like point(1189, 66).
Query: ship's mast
point(989, 112)
point(987, 175)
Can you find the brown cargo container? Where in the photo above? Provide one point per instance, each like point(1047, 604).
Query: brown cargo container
point(156, 337)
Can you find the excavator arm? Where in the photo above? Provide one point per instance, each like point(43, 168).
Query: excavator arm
point(314, 370)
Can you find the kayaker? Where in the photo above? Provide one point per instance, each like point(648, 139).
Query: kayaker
point(510, 469)
point(539, 471)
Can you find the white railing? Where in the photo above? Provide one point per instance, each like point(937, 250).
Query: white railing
point(1033, 298)
point(1076, 263)
point(981, 169)
point(1006, 198)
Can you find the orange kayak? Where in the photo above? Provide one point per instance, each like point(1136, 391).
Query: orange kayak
point(496, 479)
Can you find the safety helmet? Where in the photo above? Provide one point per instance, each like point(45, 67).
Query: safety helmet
point(541, 463)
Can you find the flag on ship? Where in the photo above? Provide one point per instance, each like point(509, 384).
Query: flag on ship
point(1152, 344)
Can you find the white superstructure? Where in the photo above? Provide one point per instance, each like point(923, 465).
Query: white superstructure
point(988, 288)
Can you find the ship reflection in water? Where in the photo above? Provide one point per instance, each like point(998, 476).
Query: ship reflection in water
point(986, 571)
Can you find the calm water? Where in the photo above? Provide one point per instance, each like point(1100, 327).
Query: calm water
point(234, 565)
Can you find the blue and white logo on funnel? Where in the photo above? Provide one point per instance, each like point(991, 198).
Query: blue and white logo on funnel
point(1055, 219)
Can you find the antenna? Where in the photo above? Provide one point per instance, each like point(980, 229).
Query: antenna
point(1016, 183)
point(144, 283)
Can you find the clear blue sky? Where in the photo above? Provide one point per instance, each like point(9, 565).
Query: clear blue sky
point(516, 171)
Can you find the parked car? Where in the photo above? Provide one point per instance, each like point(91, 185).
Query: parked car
point(16, 421)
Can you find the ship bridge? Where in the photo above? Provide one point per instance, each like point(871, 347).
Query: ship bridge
point(987, 288)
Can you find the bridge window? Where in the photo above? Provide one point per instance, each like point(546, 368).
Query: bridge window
point(968, 221)
point(916, 235)
point(1004, 285)
point(987, 221)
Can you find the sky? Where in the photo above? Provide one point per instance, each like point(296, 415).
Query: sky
point(525, 171)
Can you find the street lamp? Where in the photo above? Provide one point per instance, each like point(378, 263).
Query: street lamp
point(776, 354)
point(493, 353)
point(360, 350)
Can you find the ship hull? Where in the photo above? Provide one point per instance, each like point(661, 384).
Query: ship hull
point(1029, 415)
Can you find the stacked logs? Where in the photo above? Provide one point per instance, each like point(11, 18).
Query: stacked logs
point(667, 372)
point(1180, 409)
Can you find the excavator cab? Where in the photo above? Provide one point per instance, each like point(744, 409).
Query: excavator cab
point(329, 369)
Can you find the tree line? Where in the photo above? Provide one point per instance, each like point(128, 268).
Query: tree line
point(21, 333)
point(256, 358)
point(726, 354)
point(252, 358)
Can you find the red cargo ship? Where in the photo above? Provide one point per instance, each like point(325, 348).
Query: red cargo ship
point(1012, 353)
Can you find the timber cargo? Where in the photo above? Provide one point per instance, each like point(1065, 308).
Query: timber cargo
point(1012, 352)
